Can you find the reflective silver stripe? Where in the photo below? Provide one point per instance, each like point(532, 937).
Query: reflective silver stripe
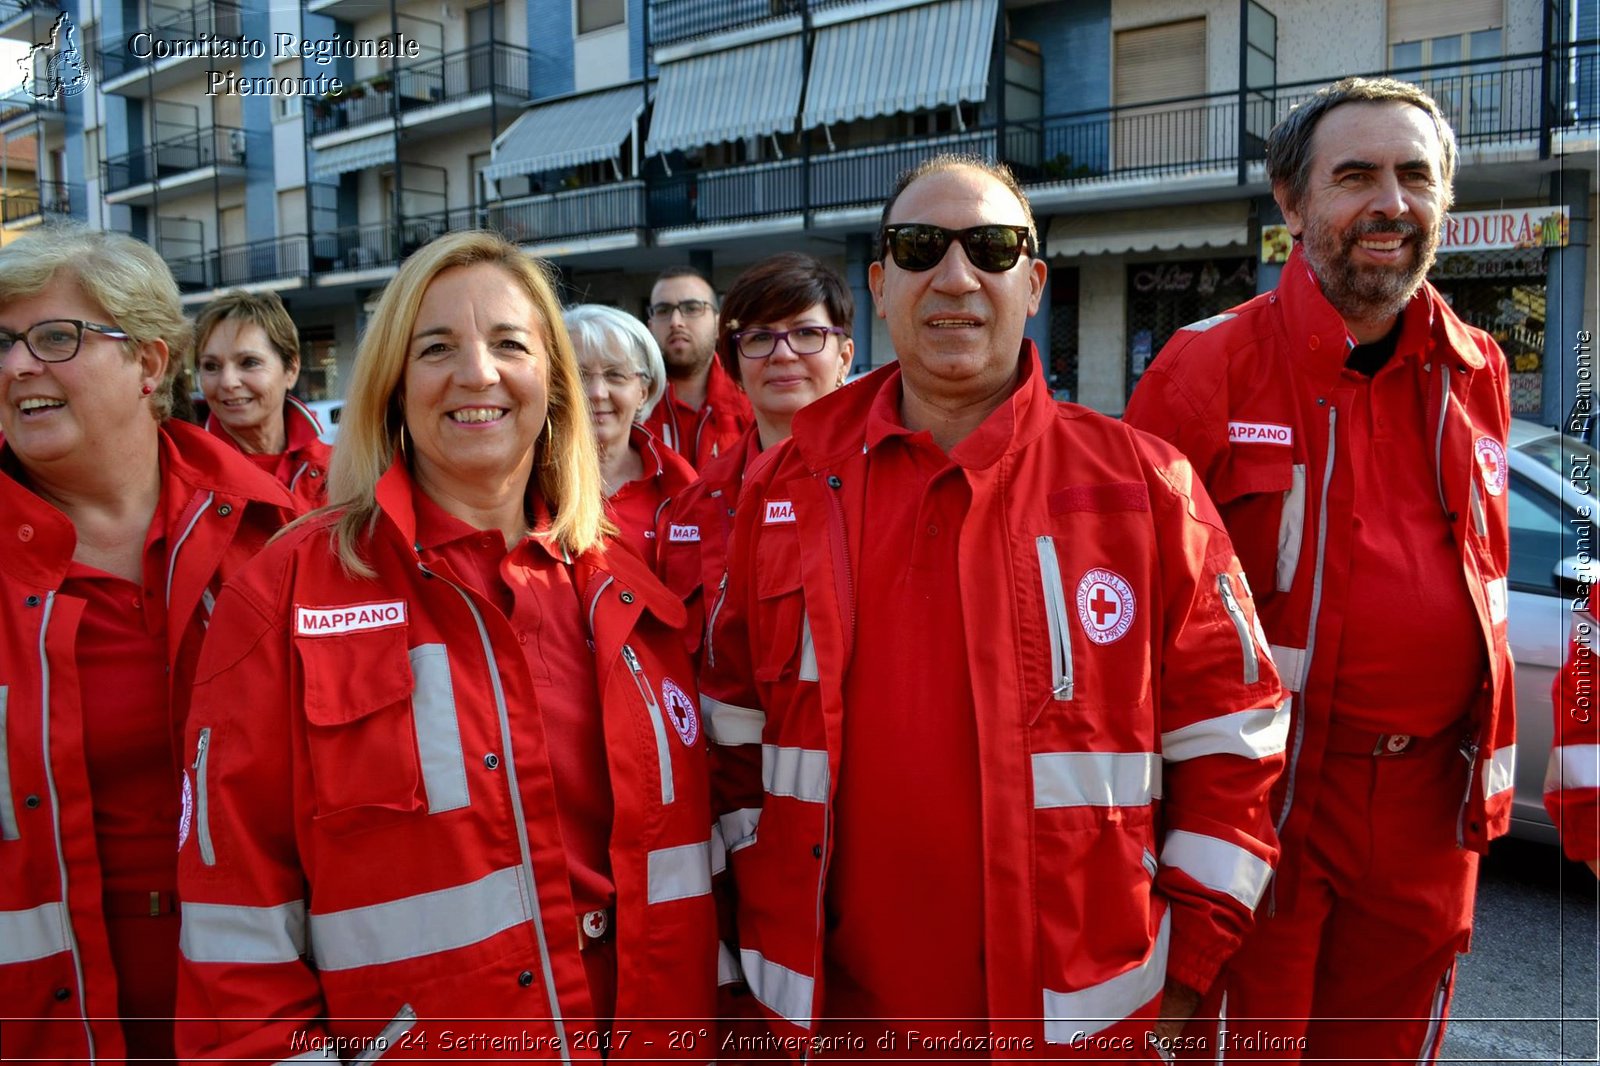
point(1206, 323)
point(595, 600)
point(1426, 1054)
point(784, 991)
point(172, 561)
point(220, 932)
point(1247, 643)
point(1497, 776)
point(1219, 865)
point(739, 827)
point(728, 723)
point(1291, 529)
point(1290, 661)
point(1095, 779)
point(1089, 1010)
point(202, 799)
point(1253, 734)
point(1480, 521)
point(1573, 766)
point(433, 712)
point(658, 722)
point(1438, 436)
point(1495, 592)
point(416, 926)
point(799, 773)
point(728, 972)
point(33, 934)
point(208, 602)
point(679, 873)
point(398, 1026)
point(808, 651)
point(1055, 617)
point(8, 812)
point(295, 480)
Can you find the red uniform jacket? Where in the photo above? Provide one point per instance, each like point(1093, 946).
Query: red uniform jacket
point(364, 848)
point(700, 436)
point(1096, 755)
point(636, 507)
point(303, 466)
point(1265, 369)
point(55, 961)
point(1572, 782)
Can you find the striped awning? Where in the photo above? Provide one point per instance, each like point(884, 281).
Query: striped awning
point(725, 96)
point(1218, 225)
point(920, 57)
point(566, 133)
point(353, 155)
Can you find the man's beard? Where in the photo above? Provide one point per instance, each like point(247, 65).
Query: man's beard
point(1369, 292)
point(687, 362)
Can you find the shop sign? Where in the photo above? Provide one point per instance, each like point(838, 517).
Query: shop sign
point(1514, 227)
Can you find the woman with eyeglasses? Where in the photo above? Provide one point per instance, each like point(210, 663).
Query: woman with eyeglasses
point(119, 527)
point(785, 339)
point(624, 378)
point(248, 359)
point(452, 789)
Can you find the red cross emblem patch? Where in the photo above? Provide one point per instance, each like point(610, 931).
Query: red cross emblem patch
point(1491, 455)
point(680, 712)
point(1105, 605)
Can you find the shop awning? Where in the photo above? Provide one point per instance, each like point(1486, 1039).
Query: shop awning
point(725, 96)
point(566, 133)
point(907, 60)
point(353, 155)
point(1221, 225)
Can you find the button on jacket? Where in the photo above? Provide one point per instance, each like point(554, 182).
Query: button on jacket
point(1128, 719)
point(303, 466)
point(1249, 396)
point(368, 844)
point(55, 960)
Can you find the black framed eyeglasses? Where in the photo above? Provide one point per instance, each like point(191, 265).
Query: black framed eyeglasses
point(917, 246)
point(802, 340)
point(686, 308)
point(55, 340)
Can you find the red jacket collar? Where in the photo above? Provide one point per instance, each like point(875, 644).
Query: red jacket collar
point(300, 426)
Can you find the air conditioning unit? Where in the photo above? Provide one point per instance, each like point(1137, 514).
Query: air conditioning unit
point(236, 143)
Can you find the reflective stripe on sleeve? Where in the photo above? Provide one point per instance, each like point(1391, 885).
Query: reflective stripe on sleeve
point(433, 710)
point(1253, 734)
point(36, 933)
point(424, 924)
point(1290, 662)
point(1573, 766)
point(799, 773)
point(728, 972)
point(1095, 779)
point(679, 873)
point(221, 932)
point(785, 992)
point(730, 724)
point(1499, 773)
point(1089, 1010)
point(1217, 864)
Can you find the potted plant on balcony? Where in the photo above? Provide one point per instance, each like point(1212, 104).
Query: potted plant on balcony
point(381, 83)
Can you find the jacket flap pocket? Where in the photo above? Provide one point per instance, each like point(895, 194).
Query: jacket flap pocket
point(777, 563)
point(1254, 469)
point(349, 676)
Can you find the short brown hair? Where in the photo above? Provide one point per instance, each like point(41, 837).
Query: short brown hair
point(1289, 143)
point(262, 309)
point(774, 289)
point(954, 161)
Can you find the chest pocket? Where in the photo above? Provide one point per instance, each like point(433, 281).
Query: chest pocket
point(782, 637)
point(1263, 490)
point(382, 729)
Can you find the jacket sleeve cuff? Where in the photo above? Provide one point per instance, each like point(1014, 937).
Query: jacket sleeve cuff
point(1197, 950)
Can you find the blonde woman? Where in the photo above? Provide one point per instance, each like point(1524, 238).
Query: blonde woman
point(446, 743)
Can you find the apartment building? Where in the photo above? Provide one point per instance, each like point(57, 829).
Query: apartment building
point(617, 137)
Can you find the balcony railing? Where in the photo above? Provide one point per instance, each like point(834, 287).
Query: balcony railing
point(501, 67)
point(49, 198)
point(569, 214)
point(224, 145)
point(243, 264)
point(173, 30)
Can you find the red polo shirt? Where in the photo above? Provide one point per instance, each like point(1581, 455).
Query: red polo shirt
point(636, 506)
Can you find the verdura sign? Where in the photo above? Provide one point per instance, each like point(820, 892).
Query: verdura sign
point(1511, 227)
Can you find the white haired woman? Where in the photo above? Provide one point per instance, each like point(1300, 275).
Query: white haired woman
point(445, 741)
point(120, 526)
point(623, 378)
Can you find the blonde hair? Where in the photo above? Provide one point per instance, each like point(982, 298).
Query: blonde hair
point(123, 275)
point(371, 428)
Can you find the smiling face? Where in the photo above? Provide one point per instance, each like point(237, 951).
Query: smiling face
point(476, 384)
point(89, 409)
point(956, 329)
point(244, 380)
point(614, 390)
point(784, 382)
point(1370, 218)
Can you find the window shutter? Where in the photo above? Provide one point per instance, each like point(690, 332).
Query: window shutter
point(1419, 20)
point(1161, 62)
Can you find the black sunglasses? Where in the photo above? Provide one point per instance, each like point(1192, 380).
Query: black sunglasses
point(917, 246)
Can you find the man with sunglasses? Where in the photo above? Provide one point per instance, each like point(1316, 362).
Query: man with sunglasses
point(1352, 430)
point(703, 412)
point(968, 639)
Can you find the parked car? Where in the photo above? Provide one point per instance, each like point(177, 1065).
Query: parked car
point(327, 412)
point(1552, 507)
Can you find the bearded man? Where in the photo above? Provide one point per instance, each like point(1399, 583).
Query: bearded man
point(1351, 430)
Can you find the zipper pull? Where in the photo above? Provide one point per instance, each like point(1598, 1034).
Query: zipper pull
point(200, 749)
point(630, 658)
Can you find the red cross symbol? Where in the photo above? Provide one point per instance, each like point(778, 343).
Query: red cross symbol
point(1102, 607)
point(678, 714)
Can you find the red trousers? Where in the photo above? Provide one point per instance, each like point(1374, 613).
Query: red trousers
point(1362, 965)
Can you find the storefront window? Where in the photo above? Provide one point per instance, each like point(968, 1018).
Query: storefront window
point(319, 365)
point(1165, 297)
point(1503, 294)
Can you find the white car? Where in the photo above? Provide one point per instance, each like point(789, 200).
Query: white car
point(327, 412)
point(1552, 508)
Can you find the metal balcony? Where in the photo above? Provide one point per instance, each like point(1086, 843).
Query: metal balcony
point(50, 199)
point(173, 161)
point(500, 68)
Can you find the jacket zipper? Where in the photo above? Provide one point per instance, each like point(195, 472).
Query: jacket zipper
point(172, 563)
point(1055, 616)
point(1469, 749)
point(398, 1026)
point(657, 722)
point(1247, 644)
point(711, 621)
point(8, 812)
point(1438, 435)
point(202, 809)
point(842, 557)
